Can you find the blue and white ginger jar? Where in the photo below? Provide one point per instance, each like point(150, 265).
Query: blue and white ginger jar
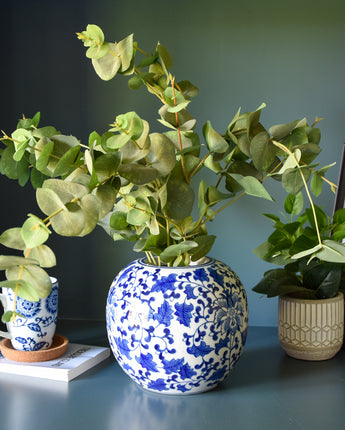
point(177, 330)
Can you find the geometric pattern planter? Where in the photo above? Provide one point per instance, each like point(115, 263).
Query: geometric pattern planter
point(177, 330)
point(311, 329)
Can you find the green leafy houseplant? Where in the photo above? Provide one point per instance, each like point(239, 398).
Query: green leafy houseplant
point(307, 245)
point(318, 278)
point(141, 185)
point(25, 275)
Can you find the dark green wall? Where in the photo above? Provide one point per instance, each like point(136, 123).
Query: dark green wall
point(289, 55)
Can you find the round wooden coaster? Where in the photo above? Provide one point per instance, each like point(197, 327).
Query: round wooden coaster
point(58, 348)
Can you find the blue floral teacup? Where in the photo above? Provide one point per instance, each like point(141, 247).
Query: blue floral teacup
point(36, 328)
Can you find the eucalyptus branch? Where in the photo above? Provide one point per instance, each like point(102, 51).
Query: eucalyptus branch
point(222, 208)
point(172, 79)
point(287, 151)
point(201, 162)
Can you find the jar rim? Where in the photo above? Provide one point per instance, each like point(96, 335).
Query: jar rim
point(208, 261)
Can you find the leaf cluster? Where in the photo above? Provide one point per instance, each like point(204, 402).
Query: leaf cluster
point(313, 259)
point(139, 184)
point(26, 274)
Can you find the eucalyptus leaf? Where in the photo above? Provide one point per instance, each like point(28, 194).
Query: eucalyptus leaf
point(309, 152)
point(213, 195)
point(173, 251)
point(205, 244)
point(67, 162)
point(62, 144)
point(138, 80)
point(48, 131)
point(252, 186)
point(173, 97)
point(291, 162)
point(215, 142)
point(321, 217)
point(138, 216)
point(9, 261)
point(262, 151)
point(280, 131)
point(293, 204)
point(179, 106)
point(33, 275)
point(131, 124)
point(106, 165)
point(106, 196)
point(11, 168)
point(161, 154)
point(332, 252)
point(94, 33)
point(202, 205)
point(125, 49)
point(97, 51)
point(180, 196)
point(43, 156)
point(107, 66)
point(12, 238)
point(118, 220)
point(94, 139)
point(147, 61)
point(316, 184)
point(244, 143)
point(65, 190)
point(253, 125)
point(90, 207)
point(70, 221)
point(117, 141)
point(37, 178)
point(48, 201)
point(8, 316)
point(137, 173)
point(135, 151)
point(308, 252)
point(188, 89)
point(164, 57)
point(43, 255)
point(292, 180)
point(23, 288)
point(34, 232)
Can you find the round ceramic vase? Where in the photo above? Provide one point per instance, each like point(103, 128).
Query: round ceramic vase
point(177, 330)
point(311, 329)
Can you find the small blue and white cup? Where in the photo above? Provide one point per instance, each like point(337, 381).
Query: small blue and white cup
point(36, 329)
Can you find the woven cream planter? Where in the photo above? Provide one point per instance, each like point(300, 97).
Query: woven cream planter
point(311, 329)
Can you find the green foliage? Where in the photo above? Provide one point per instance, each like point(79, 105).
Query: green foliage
point(26, 275)
point(313, 260)
point(138, 184)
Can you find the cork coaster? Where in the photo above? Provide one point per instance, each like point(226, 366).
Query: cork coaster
point(58, 348)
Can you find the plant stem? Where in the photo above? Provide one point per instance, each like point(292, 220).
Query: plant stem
point(312, 206)
point(179, 132)
point(222, 208)
point(46, 220)
point(201, 162)
point(287, 151)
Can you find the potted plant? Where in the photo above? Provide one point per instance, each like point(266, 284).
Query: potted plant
point(29, 295)
point(310, 284)
point(177, 320)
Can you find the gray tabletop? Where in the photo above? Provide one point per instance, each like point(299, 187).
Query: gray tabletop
point(266, 390)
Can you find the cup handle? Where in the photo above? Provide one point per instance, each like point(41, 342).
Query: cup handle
point(3, 333)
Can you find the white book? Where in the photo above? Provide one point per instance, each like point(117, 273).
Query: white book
point(76, 360)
